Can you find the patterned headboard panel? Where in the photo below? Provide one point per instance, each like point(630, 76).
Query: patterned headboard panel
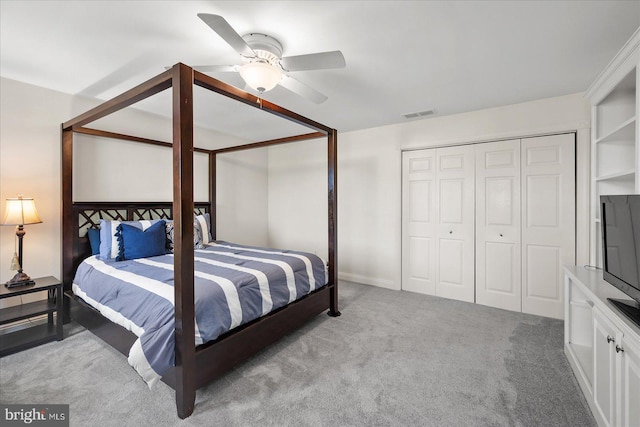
point(88, 214)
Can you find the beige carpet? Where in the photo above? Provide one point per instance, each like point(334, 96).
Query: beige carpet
point(392, 359)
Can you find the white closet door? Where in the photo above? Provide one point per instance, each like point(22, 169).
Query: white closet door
point(418, 221)
point(498, 272)
point(455, 230)
point(548, 221)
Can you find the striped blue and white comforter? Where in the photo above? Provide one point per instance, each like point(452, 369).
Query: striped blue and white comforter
point(234, 284)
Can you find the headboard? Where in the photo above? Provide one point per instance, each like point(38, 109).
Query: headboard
point(89, 214)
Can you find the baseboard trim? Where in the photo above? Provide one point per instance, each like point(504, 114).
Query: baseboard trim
point(365, 280)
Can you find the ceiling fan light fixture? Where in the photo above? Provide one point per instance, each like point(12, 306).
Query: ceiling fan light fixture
point(261, 76)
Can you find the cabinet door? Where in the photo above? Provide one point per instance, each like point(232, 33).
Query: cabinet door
point(455, 229)
point(548, 221)
point(630, 383)
point(604, 361)
point(418, 221)
point(498, 273)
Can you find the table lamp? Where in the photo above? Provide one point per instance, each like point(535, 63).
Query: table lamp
point(20, 211)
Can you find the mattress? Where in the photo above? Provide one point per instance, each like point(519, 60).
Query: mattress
point(233, 285)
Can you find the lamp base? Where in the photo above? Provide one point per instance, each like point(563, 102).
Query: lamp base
point(20, 279)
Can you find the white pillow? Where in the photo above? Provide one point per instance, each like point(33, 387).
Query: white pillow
point(205, 226)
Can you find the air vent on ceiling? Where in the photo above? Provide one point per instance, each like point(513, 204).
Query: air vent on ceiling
point(419, 114)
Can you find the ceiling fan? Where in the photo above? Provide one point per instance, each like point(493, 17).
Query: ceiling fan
point(264, 66)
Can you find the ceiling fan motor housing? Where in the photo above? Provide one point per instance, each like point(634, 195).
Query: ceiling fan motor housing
point(265, 47)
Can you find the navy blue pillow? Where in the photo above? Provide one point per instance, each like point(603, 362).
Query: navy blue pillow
point(94, 240)
point(135, 243)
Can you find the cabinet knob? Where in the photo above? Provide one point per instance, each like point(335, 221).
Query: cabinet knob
point(610, 339)
point(450, 231)
point(619, 349)
point(500, 234)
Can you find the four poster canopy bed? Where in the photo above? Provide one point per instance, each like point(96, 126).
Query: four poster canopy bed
point(188, 312)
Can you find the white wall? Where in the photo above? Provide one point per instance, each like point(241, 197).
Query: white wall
point(30, 165)
point(116, 170)
point(297, 202)
point(106, 170)
point(369, 180)
point(242, 197)
point(146, 173)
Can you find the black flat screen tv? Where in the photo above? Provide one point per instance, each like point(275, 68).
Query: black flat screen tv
point(620, 220)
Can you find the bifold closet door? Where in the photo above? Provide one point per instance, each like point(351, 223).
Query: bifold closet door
point(418, 221)
point(455, 222)
point(498, 267)
point(492, 223)
point(548, 221)
point(438, 188)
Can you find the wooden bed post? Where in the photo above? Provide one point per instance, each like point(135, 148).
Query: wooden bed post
point(212, 193)
point(68, 230)
point(332, 141)
point(185, 356)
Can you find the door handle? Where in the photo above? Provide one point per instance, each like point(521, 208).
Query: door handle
point(619, 349)
point(610, 339)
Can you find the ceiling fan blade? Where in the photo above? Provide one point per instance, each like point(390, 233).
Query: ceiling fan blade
point(314, 61)
point(302, 89)
point(228, 34)
point(216, 68)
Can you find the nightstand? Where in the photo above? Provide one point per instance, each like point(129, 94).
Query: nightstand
point(31, 336)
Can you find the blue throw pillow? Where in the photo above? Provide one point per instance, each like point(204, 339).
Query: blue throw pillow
point(108, 240)
point(135, 243)
point(94, 240)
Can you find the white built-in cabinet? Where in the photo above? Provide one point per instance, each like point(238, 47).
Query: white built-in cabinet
point(601, 344)
point(491, 223)
point(603, 348)
point(615, 134)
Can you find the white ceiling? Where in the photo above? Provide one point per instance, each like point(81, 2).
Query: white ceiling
point(402, 56)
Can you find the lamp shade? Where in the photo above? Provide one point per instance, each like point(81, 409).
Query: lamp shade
point(261, 76)
point(21, 211)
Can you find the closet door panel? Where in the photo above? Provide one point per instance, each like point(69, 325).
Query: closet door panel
point(418, 221)
point(498, 259)
point(455, 187)
point(451, 201)
point(499, 271)
point(450, 267)
point(544, 263)
point(548, 221)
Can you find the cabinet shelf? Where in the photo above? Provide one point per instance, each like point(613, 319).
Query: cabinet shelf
point(584, 354)
point(25, 311)
point(621, 175)
point(27, 338)
point(625, 132)
point(581, 304)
